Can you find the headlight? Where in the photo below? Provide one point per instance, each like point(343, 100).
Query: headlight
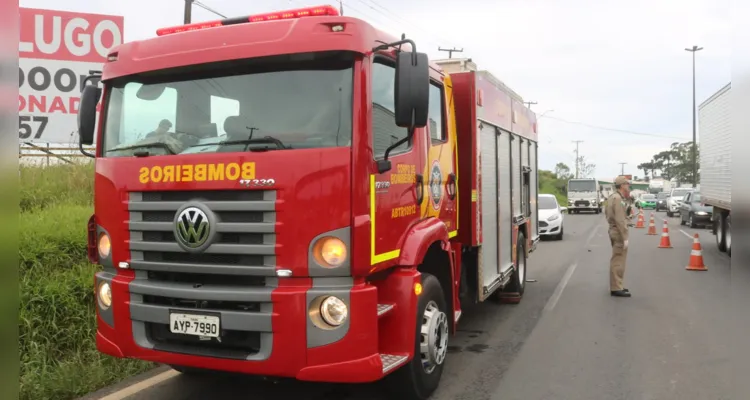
point(104, 245)
point(333, 311)
point(554, 217)
point(104, 296)
point(701, 213)
point(330, 252)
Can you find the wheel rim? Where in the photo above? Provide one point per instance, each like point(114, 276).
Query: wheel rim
point(434, 340)
point(720, 232)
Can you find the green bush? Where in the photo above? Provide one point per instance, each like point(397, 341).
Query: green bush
point(57, 324)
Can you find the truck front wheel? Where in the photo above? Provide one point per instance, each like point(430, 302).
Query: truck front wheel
point(418, 379)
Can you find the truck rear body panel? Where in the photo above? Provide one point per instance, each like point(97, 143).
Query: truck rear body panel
point(716, 149)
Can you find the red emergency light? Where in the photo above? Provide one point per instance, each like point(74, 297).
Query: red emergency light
point(288, 14)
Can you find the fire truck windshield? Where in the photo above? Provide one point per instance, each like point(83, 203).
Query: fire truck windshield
point(290, 102)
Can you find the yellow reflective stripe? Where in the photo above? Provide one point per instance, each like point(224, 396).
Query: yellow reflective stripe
point(377, 258)
point(452, 234)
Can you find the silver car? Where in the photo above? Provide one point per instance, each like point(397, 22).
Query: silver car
point(693, 212)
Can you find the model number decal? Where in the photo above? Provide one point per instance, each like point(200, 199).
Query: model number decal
point(404, 211)
point(257, 182)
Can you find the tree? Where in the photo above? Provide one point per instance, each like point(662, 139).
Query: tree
point(648, 168)
point(676, 162)
point(585, 170)
point(562, 171)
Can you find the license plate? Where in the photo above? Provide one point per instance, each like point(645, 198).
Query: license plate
point(194, 324)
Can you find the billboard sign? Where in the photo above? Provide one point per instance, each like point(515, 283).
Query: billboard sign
point(56, 51)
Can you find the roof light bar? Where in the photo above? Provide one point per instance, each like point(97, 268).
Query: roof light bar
point(318, 11)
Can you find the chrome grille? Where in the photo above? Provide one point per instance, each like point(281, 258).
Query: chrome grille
point(246, 242)
point(233, 278)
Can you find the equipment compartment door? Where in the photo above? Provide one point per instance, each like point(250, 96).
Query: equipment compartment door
point(489, 265)
point(505, 232)
point(534, 190)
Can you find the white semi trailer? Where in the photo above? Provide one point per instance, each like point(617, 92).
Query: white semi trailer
point(715, 164)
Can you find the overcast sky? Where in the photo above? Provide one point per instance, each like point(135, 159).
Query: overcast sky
point(598, 64)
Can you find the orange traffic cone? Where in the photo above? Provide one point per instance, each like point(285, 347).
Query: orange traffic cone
point(641, 222)
point(696, 256)
point(651, 226)
point(665, 243)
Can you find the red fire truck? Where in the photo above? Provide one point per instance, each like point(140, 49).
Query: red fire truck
point(298, 194)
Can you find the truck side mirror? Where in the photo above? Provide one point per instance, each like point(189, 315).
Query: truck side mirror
point(87, 114)
point(412, 91)
point(411, 98)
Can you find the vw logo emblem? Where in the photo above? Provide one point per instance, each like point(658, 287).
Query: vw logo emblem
point(192, 228)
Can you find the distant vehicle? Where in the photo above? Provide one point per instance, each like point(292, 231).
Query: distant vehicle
point(661, 201)
point(716, 164)
point(584, 195)
point(694, 212)
point(550, 217)
point(646, 201)
point(675, 199)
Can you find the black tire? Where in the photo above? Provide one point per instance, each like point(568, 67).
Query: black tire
point(412, 381)
point(669, 214)
point(560, 235)
point(720, 231)
point(728, 236)
point(690, 221)
point(517, 282)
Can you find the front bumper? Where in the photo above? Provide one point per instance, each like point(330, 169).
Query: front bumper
point(276, 339)
point(550, 228)
point(703, 219)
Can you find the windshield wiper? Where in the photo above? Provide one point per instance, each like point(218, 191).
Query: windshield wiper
point(267, 139)
point(145, 145)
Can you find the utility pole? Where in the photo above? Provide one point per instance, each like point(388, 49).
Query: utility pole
point(450, 51)
point(529, 103)
point(577, 142)
point(188, 11)
point(694, 50)
point(341, 7)
point(622, 168)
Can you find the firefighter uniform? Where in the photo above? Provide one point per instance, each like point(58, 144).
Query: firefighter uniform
point(617, 218)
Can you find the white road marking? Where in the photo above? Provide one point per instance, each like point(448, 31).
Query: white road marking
point(141, 386)
point(686, 234)
point(552, 302)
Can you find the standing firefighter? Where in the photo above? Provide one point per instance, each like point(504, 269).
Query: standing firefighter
point(617, 217)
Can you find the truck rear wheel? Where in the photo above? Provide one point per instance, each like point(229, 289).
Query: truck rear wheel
point(728, 234)
point(517, 282)
point(720, 231)
point(418, 379)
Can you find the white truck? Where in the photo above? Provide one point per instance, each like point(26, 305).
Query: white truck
point(715, 164)
point(584, 194)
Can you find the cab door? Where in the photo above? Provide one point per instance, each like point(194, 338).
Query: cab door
point(395, 195)
point(440, 156)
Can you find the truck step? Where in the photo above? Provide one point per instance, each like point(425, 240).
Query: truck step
point(391, 361)
point(384, 309)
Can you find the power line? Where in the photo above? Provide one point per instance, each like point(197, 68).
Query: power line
point(614, 129)
point(529, 104)
point(209, 9)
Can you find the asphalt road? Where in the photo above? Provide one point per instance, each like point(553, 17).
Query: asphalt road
point(567, 339)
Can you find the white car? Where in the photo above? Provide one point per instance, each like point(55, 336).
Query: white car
point(550, 216)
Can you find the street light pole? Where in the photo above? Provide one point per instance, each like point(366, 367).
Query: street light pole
point(188, 12)
point(693, 50)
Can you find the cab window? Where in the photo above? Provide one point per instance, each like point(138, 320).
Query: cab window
point(436, 114)
point(385, 132)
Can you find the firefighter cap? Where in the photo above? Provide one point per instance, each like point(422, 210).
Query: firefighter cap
point(621, 180)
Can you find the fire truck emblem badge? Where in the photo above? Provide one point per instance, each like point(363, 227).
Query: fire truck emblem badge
point(192, 228)
point(436, 187)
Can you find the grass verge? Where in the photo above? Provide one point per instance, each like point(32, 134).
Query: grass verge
point(57, 324)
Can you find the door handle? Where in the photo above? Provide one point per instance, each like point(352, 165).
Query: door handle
point(419, 188)
point(450, 186)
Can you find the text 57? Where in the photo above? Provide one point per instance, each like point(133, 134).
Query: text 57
point(27, 125)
